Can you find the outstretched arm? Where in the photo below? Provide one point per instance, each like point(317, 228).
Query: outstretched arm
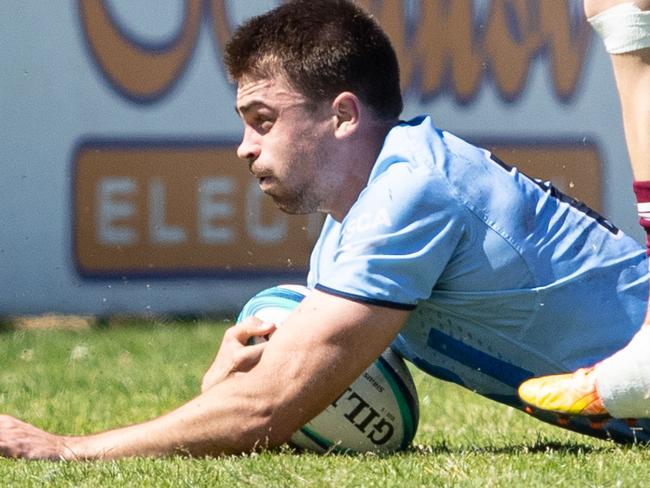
point(322, 347)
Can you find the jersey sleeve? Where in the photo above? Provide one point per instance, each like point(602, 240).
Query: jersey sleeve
point(396, 240)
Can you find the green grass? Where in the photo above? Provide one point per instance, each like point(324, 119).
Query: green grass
point(80, 382)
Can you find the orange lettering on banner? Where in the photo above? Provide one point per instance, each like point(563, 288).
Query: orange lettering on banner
point(519, 31)
point(510, 42)
point(447, 48)
point(151, 209)
point(566, 44)
point(138, 72)
point(444, 48)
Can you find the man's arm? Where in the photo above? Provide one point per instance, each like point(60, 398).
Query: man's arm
point(322, 347)
point(632, 73)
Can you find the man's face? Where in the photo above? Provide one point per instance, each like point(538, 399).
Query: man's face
point(286, 143)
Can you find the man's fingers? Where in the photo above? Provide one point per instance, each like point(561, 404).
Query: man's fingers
point(244, 359)
point(248, 357)
point(235, 353)
point(20, 439)
point(249, 328)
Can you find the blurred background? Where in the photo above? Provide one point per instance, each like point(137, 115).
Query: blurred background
point(120, 190)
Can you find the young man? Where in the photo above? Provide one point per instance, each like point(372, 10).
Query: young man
point(473, 271)
point(620, 385)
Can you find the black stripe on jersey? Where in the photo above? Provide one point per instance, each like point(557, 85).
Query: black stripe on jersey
point(360, 299)
point(563, 197)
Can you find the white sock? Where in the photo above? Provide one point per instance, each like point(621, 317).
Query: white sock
point(623, 28)
point(623, 380)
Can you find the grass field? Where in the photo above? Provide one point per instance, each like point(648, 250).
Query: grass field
point(82, 381)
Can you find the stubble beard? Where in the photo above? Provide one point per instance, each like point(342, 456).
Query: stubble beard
point(300, 202)
point(295, 200)
point(300, 197)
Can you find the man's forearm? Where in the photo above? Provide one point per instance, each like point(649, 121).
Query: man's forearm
point(219, 421)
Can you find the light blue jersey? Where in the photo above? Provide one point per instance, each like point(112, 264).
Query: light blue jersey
point(507, 277)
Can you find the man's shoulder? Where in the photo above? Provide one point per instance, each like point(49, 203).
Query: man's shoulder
point(410, 152)
point(410, 137)
point(421, 144)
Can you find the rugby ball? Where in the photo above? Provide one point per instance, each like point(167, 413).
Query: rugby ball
point(379, 412)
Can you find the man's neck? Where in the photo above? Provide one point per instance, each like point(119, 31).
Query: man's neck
point(357, 171)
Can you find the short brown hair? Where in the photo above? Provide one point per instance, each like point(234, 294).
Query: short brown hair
point(322, 47)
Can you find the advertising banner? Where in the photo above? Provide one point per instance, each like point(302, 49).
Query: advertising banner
point(121, 189)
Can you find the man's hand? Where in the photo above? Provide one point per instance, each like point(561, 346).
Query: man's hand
point(21, 440)
point(235, 355)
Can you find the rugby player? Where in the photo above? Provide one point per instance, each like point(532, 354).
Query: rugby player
point(474, 272)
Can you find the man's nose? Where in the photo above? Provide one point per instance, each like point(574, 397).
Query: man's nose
point(249, 148)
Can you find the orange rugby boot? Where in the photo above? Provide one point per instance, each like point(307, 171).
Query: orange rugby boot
point(565, 394)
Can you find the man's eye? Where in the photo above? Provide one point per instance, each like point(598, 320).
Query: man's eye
point(264, 125)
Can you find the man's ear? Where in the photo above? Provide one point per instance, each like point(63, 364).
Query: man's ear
point(347, 111)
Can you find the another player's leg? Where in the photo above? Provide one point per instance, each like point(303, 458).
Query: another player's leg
point(620, 385)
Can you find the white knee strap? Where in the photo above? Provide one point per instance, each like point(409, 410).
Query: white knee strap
point(623, 28)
